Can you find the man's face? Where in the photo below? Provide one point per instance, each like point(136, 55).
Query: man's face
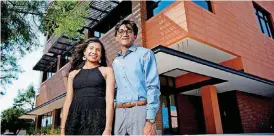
point(125, 35)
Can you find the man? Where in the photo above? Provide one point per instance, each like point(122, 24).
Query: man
point(137, 82)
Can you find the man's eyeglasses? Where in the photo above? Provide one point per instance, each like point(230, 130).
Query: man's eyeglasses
point(121, 31)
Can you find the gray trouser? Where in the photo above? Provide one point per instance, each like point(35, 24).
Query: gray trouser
point(130, 120)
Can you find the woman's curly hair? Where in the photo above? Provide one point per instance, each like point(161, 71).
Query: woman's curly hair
point(77, 61)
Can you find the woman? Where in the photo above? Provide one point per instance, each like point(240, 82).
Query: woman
point(88, 108)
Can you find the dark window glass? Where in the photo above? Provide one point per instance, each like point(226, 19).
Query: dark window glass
point(204, 4)
point(263, 20)
point(161, 5)
point(156, 6)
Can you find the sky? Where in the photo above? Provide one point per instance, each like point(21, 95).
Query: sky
point(26, 78)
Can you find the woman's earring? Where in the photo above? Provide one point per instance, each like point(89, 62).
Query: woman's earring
point(99, 61)
point(84, 58)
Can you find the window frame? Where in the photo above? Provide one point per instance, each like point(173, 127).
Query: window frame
point(267, 20)
point(151, 8)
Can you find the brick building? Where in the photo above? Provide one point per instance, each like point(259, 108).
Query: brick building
point(215, 60)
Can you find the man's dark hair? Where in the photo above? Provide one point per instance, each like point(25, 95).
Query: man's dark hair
point(129, 24)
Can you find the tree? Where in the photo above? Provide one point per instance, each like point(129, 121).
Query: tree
point(25, 98)
point(10, 120)
point(23, 102)
point(66, 18)
point(18, 35)
point(20, 22)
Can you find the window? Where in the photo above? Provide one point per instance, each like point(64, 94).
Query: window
point(46, 120)
point(263, 20)
point(204, 4)
point(169, 114)
point(98, 34)
point(156, 6)
point(50, 74)
point(65, 59)
point(47, 75)
point(169, 106)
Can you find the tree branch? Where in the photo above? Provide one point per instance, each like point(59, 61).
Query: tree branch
point(24, 12)
point(6, 77)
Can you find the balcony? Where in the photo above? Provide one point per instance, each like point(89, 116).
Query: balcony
point(54, 86)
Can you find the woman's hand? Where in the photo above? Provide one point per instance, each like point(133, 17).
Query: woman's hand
point(62, 131)
point(107, 132)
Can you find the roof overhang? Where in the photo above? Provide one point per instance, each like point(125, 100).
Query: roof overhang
point(170, 59)
point(60, 45)
point(28, 116)
point(55, 103)
point(97, 11)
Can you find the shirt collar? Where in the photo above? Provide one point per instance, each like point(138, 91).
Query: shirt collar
point(132, 48)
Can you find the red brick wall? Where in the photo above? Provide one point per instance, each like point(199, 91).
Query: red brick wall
point(138, 15)
point(54, 86)
point(256, 112)
point(188, 111)
point(159, 120)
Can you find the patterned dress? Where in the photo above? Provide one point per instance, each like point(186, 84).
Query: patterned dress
point(87, 112)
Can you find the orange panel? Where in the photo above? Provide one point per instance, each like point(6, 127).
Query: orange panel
point(229, 28)
point(234, 63)
point(211, 110)
point(235, 30)
point(192, 78)
point(161, 30)
point(189, 78)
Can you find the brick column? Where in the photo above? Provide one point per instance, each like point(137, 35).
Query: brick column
point(55, 118)
point(211, 110)
point(59, 63)
point(87, 33)
point(159, 120)
point(139, 16)
point(38, 121)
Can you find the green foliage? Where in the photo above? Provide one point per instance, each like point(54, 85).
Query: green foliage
point(10, 120)
point(31, 129)
point(22, 103)
point(48, 131)
point(18, 35)
point(25, 98)
point(66, 18)
point(20, 22)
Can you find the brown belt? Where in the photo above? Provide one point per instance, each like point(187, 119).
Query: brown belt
point(131, 104)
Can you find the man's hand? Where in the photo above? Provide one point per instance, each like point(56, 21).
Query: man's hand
point(149, 129)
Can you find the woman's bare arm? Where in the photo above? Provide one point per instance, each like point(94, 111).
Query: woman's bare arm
point(68, 100)
point(109, 98)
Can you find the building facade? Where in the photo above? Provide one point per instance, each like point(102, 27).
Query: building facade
point(215, 60)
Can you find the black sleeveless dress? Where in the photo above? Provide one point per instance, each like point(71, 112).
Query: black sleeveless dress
point(87, 112)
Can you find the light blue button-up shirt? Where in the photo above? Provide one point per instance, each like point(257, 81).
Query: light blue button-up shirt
point(137, 78)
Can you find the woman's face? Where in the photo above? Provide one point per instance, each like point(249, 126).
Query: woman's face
point(93, 52)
